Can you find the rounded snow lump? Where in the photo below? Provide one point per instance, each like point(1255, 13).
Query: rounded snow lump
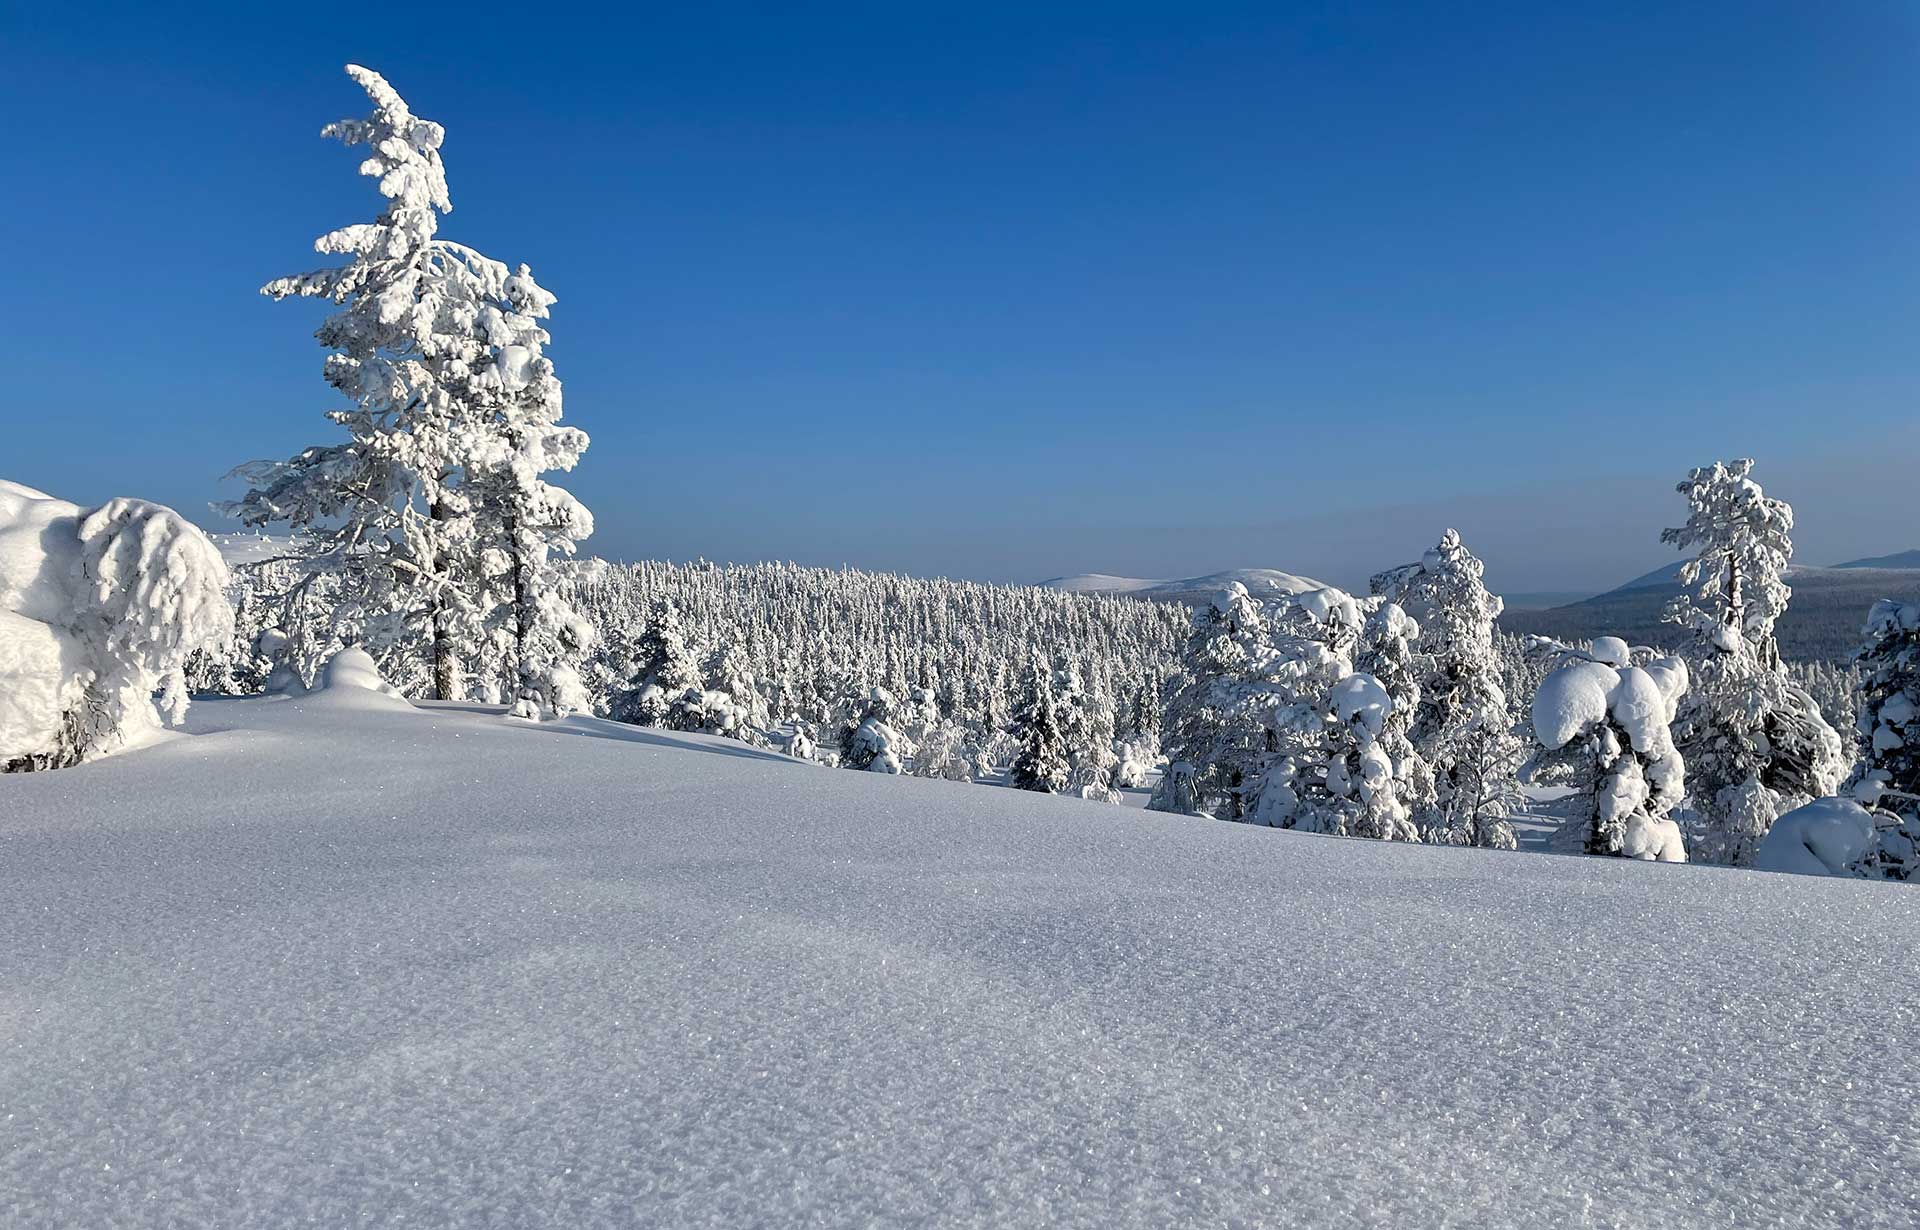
point(1360, 696)
point(1640, 706)
point(1611, 650)
point(352, 670)
point(1571, 700)
point(1823, 838)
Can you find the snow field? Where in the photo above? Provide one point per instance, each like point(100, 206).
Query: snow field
point(334, 962)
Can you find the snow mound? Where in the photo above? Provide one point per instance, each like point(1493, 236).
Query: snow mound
point(1826, 837)
point(435, 969)
point(99, 609)
point(352, 670)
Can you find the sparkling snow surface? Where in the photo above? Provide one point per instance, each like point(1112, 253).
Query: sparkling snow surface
point(335, 962)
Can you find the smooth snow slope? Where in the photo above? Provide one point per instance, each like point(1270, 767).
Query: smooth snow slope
point(338, 962)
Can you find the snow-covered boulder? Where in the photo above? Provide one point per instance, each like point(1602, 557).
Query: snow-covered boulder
point(1827, 837)
point(99, 610)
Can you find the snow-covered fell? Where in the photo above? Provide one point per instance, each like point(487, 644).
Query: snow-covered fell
point(333, 965)
point(1264, 584)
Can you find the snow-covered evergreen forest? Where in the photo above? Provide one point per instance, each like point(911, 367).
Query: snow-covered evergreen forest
point(425, 531)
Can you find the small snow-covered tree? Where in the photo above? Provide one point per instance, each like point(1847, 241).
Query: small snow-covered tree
point(1216, 728)
point(664, 676)
point(1755, 742)
point(1042, 764)
point(1340, 762)
point(1888, 731)
point(872, 743)
point(1461, 725)
point(100, 609)
point(1604, 728)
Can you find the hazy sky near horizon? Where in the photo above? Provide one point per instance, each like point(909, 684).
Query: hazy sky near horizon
point(1011, 291)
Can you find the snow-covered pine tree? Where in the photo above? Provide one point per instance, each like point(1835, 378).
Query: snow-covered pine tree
point(523, 519)
point(729, 676)
point(871, 743)
point(433, 508)
point(665, 672)
point(1755, 743)
point(1216, 730)
point(1604, 728)
point(1462, 725)
point(1042, 764)
point(1085, 713)
point(1339, 761)
point(1888, 730)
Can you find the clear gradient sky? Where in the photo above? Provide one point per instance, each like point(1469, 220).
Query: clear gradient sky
point(1008, 291)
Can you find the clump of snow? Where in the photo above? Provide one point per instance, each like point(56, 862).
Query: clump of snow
point(1611, 650)
point(1360, 696)
point(99, 610)
point(1827, 837)
point(353, 670)
point(1654, 838)
point(1570, 700)
point(1639, 705)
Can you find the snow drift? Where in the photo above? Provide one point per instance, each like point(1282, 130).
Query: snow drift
point(99, 609)
point(326, 966)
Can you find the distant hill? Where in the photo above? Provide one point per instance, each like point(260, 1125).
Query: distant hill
point(1822, 622)
point(1260, 582)
point(1902, 559)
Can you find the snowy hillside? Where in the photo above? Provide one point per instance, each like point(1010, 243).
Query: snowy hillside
point(338, 961)
point(1262, 583)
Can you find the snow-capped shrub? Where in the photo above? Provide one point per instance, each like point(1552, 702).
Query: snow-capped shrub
point(1827, 837)
point(1605, 729)
point(100, 609)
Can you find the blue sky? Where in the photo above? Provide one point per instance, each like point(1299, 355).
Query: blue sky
point(1012, 291)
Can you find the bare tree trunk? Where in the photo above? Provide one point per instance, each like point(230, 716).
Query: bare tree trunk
point(446, 663)
point(522, 607)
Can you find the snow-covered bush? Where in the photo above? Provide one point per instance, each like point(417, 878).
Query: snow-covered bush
point(1339, 761)
point(99, 611)
point(1604, 728)
point(870, 742)
point(1827, 837)
point(1755, 742)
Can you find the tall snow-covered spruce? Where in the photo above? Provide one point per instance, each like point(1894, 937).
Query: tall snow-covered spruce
point(1461, 725)
point(1755, 743)
point(433, 515)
